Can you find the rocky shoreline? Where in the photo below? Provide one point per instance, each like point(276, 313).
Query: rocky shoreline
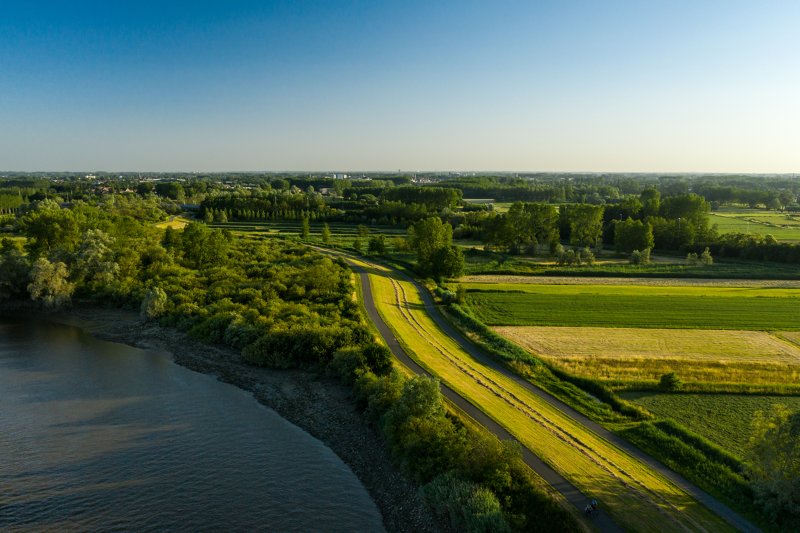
point(317, 404)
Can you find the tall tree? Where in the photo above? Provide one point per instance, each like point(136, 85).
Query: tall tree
point(630, 235)
point(50, 283)
point(585, 223)
point(427, 236)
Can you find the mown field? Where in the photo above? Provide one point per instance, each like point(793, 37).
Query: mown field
point(704, 307)
point(630, 356)
point(782, 226)
point(724, 419)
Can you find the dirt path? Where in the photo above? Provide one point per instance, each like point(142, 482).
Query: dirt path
point(570, 492)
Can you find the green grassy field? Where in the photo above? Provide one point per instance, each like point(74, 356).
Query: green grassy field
point(724, 419)
point(735, 308)
point(782, 226)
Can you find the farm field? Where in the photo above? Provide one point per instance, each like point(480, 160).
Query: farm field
point(721, 418)
point(635, 496)
point(782, 226)
point(692, 307)
point(630, 355)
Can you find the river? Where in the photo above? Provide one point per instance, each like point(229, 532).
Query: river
point(100, 436)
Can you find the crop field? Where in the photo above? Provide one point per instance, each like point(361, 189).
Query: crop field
point(637, 355)
point(721, 418)
point(635, 496)
point(640, 306)
point(782, 226)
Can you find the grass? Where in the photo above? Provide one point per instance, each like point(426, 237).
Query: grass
point(178, 222)
point(738, 308)
point(721, 418)
point(782, 226)
point(629, 355)
point(636, 497)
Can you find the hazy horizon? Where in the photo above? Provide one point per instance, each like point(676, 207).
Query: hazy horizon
point(628, 87)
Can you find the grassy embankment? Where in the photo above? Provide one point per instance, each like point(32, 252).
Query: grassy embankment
point(635, 496)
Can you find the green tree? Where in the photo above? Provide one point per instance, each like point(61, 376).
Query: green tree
point(426, 237)
point(305, 228)
point(585, 223)
point(14, 271)
point(154, 303)
point(50, 229)
point(774, 465)
point(377, 245)
point(204, 246)
point(651, 202)
point(447, 261)
point(94, 262)
point(632, 235)
point(326, 233)
point(50, 284)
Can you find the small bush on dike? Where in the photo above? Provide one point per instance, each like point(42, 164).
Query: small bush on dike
point(670, 382)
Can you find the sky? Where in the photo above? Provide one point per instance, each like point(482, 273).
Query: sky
point(611, 86)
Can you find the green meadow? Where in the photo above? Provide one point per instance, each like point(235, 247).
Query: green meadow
point(738, 308)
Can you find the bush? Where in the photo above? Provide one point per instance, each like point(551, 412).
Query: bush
point(705, 258)
point(640, 258)
point(466, 506)
point(670, 382)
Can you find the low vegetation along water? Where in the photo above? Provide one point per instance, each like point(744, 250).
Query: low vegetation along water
point(102, 436)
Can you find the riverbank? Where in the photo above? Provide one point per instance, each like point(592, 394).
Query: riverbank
point(317, 404)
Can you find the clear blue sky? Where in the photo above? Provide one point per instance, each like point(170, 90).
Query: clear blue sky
point(565, 86)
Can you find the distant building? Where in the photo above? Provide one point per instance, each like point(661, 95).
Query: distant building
point(339, 176)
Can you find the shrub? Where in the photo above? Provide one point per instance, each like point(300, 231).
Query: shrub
point(640, 258)
point(466, 506)
point(670, 382)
